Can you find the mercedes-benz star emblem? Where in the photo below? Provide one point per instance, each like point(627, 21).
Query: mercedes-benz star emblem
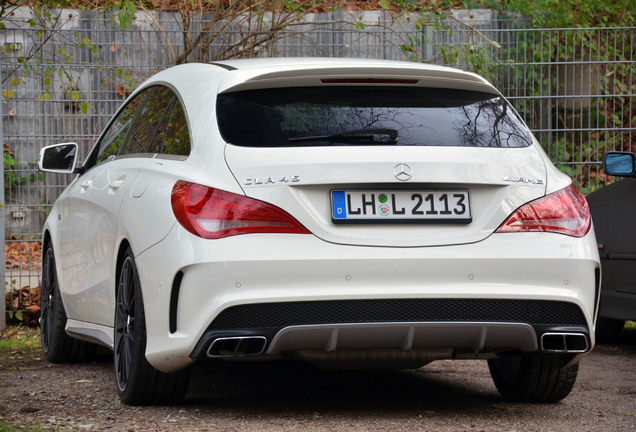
point(402, 172)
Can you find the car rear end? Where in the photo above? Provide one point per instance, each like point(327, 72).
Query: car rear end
point(383, 214)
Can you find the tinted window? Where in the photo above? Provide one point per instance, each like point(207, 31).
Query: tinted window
point(113, 139)
point(143, 134)
point(175, 136)
point(153, 122)
point(369, 116)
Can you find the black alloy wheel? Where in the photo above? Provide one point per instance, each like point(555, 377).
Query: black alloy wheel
point(58, 347)
point(138, 382)
point(47, 299)
point(125, 315)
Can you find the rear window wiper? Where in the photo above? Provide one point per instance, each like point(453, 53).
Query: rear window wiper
point(359, 136)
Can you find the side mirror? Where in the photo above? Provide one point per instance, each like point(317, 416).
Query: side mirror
point(58, 158)
point(619, 164)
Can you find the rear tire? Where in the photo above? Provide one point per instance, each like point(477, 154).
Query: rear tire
point(533, 377)
point(138, 382)
point(58, 347)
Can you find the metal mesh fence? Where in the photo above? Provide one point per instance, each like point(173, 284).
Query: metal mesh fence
point(61, 82)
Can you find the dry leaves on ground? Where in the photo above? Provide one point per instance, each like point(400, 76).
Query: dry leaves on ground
point(20, 254)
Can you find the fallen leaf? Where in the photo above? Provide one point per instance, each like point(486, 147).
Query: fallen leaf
point(33, 309)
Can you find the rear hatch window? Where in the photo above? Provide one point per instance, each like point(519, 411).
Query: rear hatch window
point(365, 115)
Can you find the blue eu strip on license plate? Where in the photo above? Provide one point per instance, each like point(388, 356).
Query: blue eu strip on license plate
point(404, 206)
point(339, 204)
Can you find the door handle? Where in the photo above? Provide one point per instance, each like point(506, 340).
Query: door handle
point(115, 185)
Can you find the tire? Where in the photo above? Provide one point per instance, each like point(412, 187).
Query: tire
point(608, 330)
point(58, 347)
point(533, 377)
point(138, 382)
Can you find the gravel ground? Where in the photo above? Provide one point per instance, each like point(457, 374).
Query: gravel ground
point(443, 396)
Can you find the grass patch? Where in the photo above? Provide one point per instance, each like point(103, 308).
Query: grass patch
point(20, 339)
point(7, 428)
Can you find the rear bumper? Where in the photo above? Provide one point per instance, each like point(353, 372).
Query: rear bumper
point(450, 328)
point(305, 295)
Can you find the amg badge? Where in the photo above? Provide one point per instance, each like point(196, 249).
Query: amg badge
point(515, 179)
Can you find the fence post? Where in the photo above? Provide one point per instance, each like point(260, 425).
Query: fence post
point(3, 303)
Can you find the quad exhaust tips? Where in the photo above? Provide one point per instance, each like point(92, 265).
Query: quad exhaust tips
point(564, 343)
point(237, 346)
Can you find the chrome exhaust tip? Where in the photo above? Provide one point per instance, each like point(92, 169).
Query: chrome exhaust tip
point(237, 346)
point(564, 343)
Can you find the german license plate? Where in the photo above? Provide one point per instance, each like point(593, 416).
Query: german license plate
point(405, 206)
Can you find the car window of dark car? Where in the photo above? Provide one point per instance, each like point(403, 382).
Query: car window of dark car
point(362, 115)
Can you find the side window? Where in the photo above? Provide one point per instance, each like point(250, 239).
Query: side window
point(153, 122)
point(114, 137)
point(145, 132)
point(176, 137)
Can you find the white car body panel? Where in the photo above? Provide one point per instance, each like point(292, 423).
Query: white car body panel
point(264, 73)
point(89, 221)
point(255, 270)
point(318, 172)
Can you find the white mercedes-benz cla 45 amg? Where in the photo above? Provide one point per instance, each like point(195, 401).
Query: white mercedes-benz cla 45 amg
point(347, 213)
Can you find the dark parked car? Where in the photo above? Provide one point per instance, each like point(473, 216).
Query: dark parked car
point(613, 208)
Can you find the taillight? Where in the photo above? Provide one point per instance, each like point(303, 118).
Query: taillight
point(212, 213)
point(564, 212)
